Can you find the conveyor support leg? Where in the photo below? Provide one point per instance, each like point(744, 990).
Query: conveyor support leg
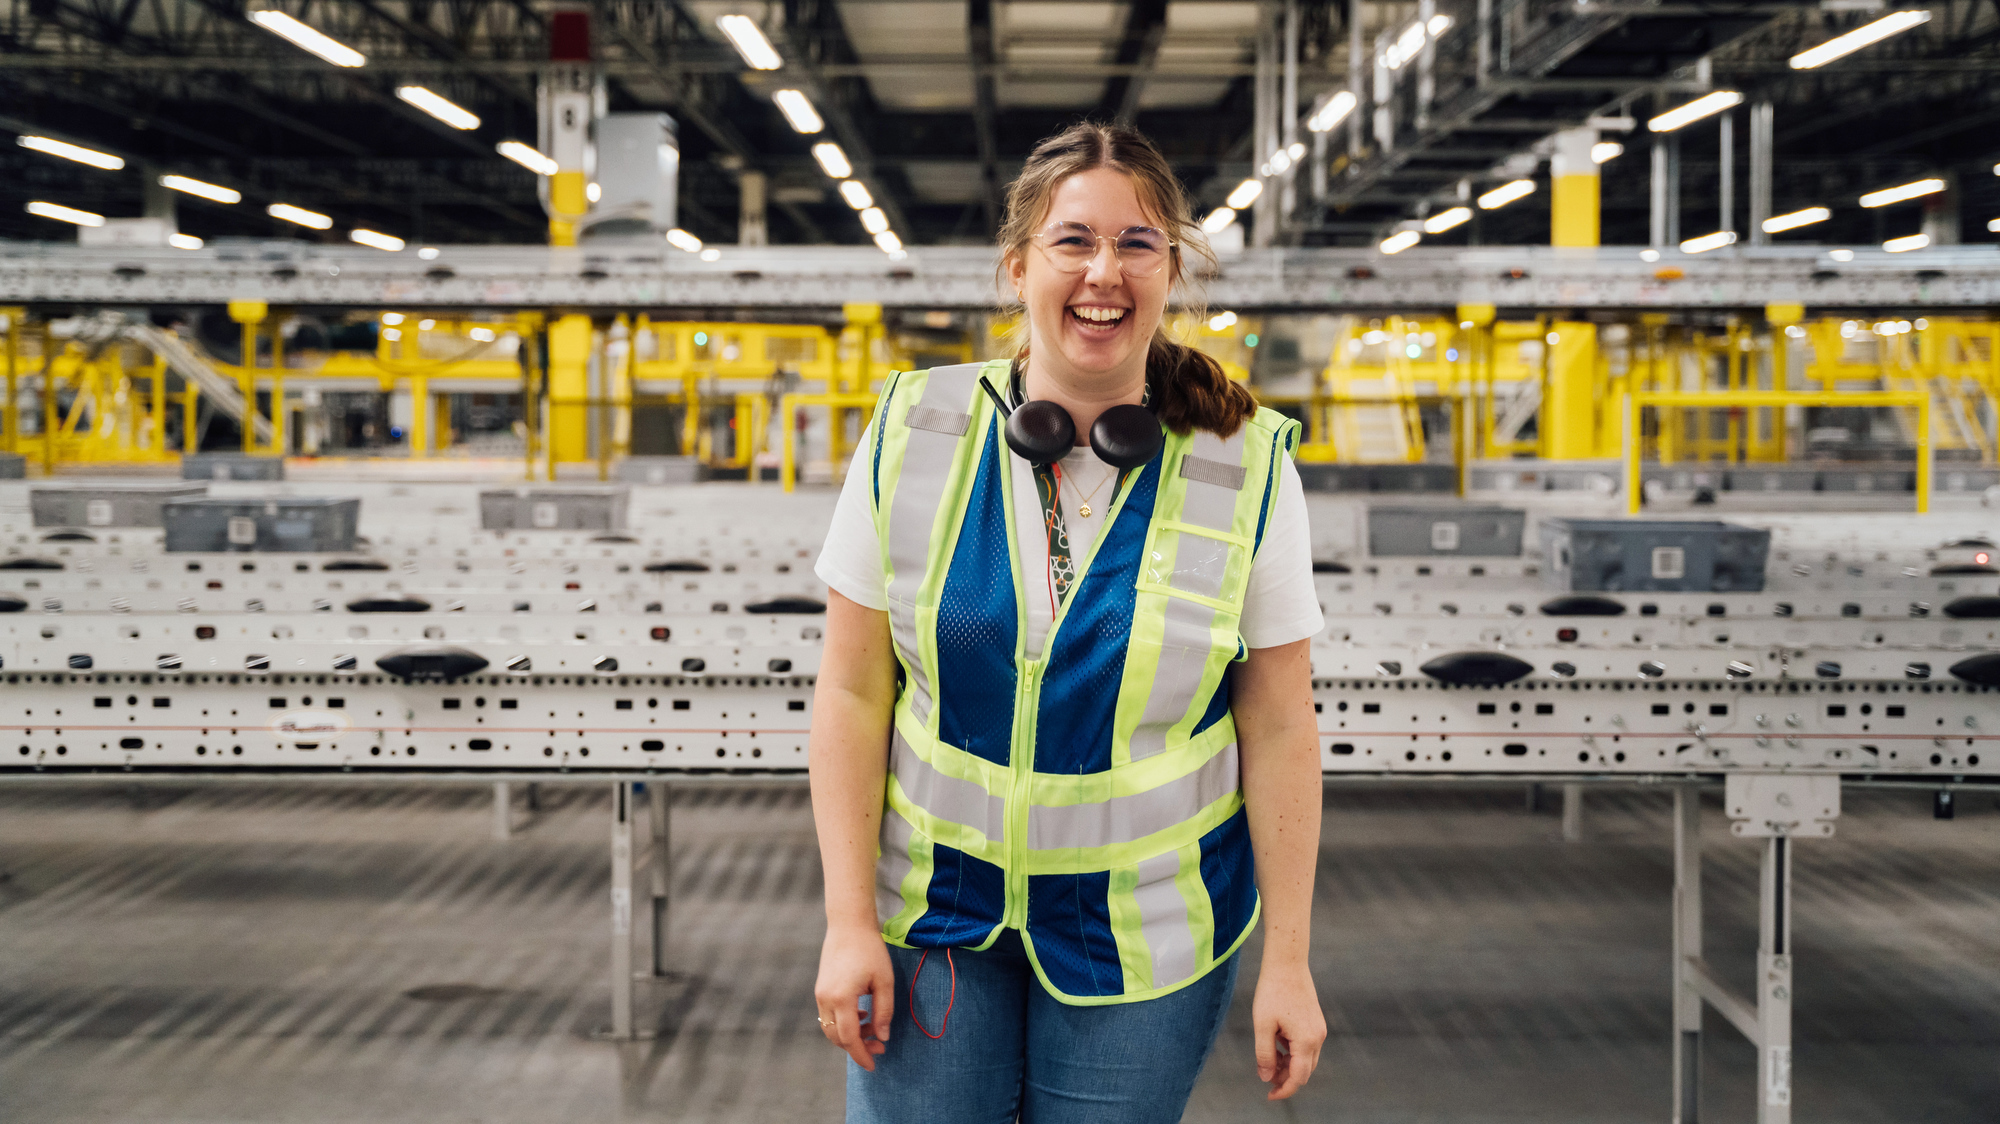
point(1774, 983)
point(1572, 813)
point(661, 854)
point(503, 810)
point(1686, 948)
point(621, 911)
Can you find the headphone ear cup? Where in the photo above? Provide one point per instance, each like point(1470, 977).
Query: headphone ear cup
point(1126, 436)
point(1041, 432)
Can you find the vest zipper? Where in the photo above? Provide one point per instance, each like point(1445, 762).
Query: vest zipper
point(1027, 705)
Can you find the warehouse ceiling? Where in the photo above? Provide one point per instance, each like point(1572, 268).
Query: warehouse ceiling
point(936, 103)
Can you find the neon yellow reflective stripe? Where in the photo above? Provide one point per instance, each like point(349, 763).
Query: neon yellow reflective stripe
point(1061, 790)
point(1089, 860)
point(1127, 929)
point(914, 883)
point(954, 835)
point(951, 760)
point(1200, 911)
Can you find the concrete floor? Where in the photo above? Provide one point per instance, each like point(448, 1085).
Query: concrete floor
point(290, 954)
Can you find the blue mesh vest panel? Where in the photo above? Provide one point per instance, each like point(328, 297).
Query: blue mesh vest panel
point(1087, 661)
point(976, 623)
point(1229, 870)
point(1069, 916)
point(967, 896)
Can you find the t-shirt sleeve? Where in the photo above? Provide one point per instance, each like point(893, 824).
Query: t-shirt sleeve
point(1282, 606)
point(851, 560)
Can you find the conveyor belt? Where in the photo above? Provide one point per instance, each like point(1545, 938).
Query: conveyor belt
point(277, 953)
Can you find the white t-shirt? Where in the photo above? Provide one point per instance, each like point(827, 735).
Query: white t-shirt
point(1279, 607)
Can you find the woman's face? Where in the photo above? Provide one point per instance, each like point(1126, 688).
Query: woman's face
point(1100, 321)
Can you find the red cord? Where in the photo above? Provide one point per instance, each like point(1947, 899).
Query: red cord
point(942, 1026)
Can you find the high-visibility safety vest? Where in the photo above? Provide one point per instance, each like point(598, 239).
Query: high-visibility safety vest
point(1088, 796)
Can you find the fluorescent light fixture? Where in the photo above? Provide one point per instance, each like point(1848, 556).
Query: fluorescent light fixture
point(428, 253)
point(1218, 220)
point(376, 239)
point(1796, 219)
point(299, 215)
point(1701, 107)
point(1708, 242)
point(798, 110)
point(1890, 195)
point(1445, 220)
point(307, 38)
point(1401, 240)
point(889, 243)
point(1841, 255)
point(483, 335)
point(1892, 24)
point(1904, 245)
point(1405, 47)
point(1245, 194)
point(1439, 24)
point(1295, 150)
point(1506, 193)
point(527, 156)
point(181, 241)
point(439, 106)
point(711, 255)
point(1993, 225)
point(1332, 113)
point(1606, 150)
point(65, 214)
point(682, 240)
point(832, 160)
point(856, 194)
point(1649, 255)
point(749, 41)
point(593, 191)
point(392, 318)
point(874, 221)
point(392, 334)
point(74, 152)
point(216, 192)
point(1281, 162)
point(1221, 321)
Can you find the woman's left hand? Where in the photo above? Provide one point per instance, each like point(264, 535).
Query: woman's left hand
point(1290, 1027)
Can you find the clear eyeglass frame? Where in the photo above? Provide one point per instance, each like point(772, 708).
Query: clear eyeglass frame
point(1071, 257)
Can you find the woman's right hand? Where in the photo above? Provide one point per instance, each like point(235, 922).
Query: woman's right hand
point(854, 962)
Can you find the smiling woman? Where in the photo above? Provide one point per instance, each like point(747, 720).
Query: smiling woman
point(1063, 734)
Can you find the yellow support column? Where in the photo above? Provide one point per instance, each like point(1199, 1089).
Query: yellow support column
point(249, 314)
point(279, 443)
point(420, 416)
point(1569, 399)
point(49, 420)
point(1782, 318)
point(12, 410)
point(156, 413)
point(1573, 190)
point(569, 387)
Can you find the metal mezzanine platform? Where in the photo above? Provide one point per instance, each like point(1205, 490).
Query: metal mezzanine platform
point(513, 277)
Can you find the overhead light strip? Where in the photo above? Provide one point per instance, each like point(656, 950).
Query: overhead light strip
point(76, 152)
point(307, 38)
point(749, 41)
point(1902, 193)
point(1895, 23)
point(210, 191)
point(439, 106)
point(64, 214)
point(1705, 106)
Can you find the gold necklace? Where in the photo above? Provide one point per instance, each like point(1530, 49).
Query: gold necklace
point(1083, 506)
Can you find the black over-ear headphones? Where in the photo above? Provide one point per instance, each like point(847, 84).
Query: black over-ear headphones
point(1042, 432)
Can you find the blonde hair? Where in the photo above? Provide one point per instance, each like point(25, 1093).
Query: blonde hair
point(1190, 390)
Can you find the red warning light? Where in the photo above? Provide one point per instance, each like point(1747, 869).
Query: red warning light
point(1982, 558)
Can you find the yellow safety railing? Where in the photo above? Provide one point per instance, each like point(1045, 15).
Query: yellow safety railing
point(1635, 403)
point(788, 407)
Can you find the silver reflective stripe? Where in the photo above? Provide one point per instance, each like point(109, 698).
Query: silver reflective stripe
point(927, 462)
point(1163, 920)
point(1221, 475)
point(1123, 819)
point(894, 865)
point(1185, 641)
point(948, 798)
point(938, 421)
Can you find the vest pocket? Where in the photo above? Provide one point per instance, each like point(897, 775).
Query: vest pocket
point(1197, 564)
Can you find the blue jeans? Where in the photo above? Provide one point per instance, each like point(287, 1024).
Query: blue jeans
point(1013, 1051)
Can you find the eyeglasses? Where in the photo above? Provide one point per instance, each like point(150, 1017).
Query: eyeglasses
point(1141, 251)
